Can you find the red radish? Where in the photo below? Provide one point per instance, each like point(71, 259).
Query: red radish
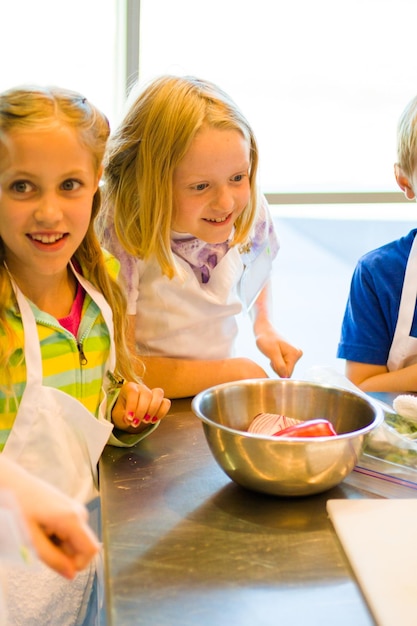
point(311, 428)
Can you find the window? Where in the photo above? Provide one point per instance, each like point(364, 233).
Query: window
point(322, 83)
point(78, 45)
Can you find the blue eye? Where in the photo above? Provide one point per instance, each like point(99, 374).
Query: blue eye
point(21, 186)
point(70, 184)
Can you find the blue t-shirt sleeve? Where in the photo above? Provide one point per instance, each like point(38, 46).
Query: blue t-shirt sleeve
point(365, 337)
point(372, 309)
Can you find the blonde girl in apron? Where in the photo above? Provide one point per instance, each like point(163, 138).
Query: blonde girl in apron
point(54, 430)
point(182, 200)
point(49, 200)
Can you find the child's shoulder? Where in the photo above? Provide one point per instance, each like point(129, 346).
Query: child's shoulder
point(110, 260)
point(111, 263)
point(390, 257)
point(263, 230)
point(398, 248)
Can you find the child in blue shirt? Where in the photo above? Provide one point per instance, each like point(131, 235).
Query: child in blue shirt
point(379, 331)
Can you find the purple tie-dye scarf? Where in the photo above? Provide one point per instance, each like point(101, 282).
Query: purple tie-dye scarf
point(200, 255)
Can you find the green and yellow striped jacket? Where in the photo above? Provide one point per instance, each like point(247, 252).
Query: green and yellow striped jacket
point(73, 365)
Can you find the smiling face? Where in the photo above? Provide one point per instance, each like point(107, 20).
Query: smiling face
point(46, 202)
point(211, 184)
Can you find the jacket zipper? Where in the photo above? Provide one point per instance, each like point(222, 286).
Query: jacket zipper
point(83, 358)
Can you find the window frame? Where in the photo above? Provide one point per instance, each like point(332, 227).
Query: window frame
point(132, 64)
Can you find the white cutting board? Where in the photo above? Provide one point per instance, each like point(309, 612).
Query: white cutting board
point(379, 538)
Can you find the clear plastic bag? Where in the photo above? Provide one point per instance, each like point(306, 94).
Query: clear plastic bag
point(395, 440)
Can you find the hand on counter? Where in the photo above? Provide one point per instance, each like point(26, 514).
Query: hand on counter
point(138, 406)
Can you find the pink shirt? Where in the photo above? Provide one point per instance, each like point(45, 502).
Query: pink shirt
point(72, 321)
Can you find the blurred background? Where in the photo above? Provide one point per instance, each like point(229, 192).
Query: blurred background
point(322, 83)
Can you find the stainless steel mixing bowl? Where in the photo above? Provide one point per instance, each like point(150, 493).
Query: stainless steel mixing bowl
point(278, 465)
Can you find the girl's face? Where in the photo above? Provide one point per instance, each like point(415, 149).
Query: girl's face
point(46, 201)
point(211, 184)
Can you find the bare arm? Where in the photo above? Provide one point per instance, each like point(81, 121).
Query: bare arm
point(283, 355)
point(378, 378)
point(181, 378)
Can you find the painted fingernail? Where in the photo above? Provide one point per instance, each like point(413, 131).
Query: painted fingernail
point(130, 416)
point(135, 422)
point(154, 420)
point(147, 418)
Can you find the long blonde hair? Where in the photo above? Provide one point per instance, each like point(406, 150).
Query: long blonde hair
point(144, 151)
point(34, 107)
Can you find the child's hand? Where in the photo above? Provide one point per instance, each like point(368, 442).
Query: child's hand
point(138, 406)
point(282, 355)
point(62, 537)
point(57, 524)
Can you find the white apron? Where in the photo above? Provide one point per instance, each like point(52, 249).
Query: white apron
point(56, 438)
point(181, 318)
point(404, 347)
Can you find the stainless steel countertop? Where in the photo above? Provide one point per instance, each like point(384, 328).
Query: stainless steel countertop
point(185, 546)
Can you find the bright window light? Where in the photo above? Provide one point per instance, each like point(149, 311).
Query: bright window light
point(322, 83)
point(73, 44)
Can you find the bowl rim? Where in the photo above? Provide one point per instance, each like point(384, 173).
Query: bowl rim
point(378, 406)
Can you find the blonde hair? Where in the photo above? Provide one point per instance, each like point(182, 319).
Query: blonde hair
point(407, 138)
point(34, 107)
point(155, 134)
point(4, 152)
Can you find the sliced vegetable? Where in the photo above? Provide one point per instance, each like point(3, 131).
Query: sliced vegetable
point(270, 423)
point(311, 428)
